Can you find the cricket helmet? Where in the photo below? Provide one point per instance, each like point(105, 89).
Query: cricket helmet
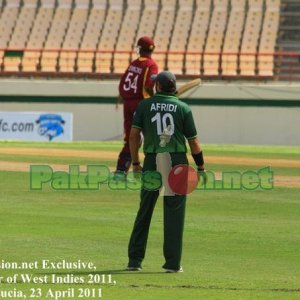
point(167, 81)
point(145, 43)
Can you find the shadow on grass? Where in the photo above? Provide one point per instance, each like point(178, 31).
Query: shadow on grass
point(102, 272)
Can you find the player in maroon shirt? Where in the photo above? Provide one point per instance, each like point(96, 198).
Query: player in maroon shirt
point(135, 85)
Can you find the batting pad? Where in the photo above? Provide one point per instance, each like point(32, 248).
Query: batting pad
point(164, 166)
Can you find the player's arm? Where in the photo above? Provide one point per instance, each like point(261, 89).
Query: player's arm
point(190, 133)
point(134, 143)
point(148, 82)
point(197, 153)
point(149, 91)
point(134, 138)
point(198, 158)
point(119, 100)
point(148, 85)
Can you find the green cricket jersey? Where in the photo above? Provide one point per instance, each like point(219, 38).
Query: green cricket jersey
point(165, 122)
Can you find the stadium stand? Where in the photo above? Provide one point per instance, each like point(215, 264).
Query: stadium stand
point(95, 23)
point(215, 37)
point(20, 34)
point(108, 39)
point(73, 36)
point(197, 37)
point(31, 59)
point(163, 31)
point(268, 38)
point(180, 36)
point(211, 38)
point(148, 19)
point(56, 36)
point(233, 37)
point(7, 23)
point(288, 40)
point(127, 36)
point(251, 37)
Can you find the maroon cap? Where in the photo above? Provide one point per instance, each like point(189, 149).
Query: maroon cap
point(146, 43)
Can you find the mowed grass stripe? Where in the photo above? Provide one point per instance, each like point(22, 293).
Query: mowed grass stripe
point(116, 144)
point(288, 179)
point(286, 152)
point(211, 162)
point(234, 160)
point(22, 164)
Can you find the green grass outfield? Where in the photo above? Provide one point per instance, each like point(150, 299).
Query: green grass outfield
point(237, 244)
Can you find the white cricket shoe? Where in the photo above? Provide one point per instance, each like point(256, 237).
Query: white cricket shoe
point(174, 271)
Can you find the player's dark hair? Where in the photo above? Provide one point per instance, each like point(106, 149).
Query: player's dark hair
point(145, 52)
point(168, 87)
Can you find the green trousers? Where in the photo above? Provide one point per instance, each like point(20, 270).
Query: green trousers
point(174, 211)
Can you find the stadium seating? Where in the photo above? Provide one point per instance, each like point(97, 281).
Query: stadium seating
point(95, 23)
point(180, 36)
point(56, 36)
point(73, 36)
point(148, 19)
point(251, 38)
point(192, 37)
point(163, 31)
point(7, 23)
point(108, 39)
point(233, 36)
point(215, 37)
point(37, 38)
point(268, 38)
point(127, 36)
point(20, 34)
point(197, 37)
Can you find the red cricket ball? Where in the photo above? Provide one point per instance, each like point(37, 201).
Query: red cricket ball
point(183, 179)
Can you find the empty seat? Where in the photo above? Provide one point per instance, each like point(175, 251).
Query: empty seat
point(91, 36)
point(108, 39)
point(251, 38)
point(148, 19)
point(273, 5)
point(197, 37)
point(38, 36)
point(20, 34)
point(73, 36)
point(163, 31)
point(268, 38)
point(215, 37)
point(180, 36)
point(232, 42)
point(56, 36)
point(1, 6)
point(125, 43)
point(7, 23)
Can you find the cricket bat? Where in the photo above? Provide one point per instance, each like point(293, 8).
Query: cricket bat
point(188, 86)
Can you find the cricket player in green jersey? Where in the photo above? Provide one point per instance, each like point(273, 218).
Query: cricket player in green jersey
point(166, 123)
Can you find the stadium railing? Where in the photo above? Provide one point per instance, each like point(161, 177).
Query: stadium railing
point(271, 66)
